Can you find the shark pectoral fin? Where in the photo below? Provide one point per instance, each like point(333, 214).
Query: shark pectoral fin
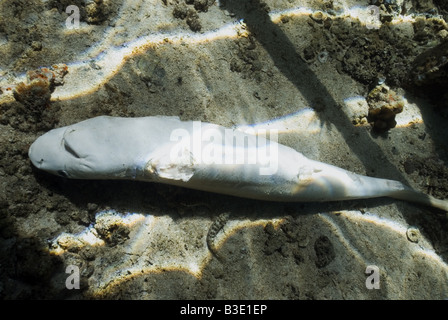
point(78, 143)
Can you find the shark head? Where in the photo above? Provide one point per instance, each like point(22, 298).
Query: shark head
point(53, 153)
point(98, 148)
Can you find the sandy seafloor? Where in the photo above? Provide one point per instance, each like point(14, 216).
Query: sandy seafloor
point(233, 63)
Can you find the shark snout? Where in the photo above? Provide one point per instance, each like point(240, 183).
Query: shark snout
point(46, 152)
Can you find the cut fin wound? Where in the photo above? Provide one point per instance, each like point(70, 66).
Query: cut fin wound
point(164, 165)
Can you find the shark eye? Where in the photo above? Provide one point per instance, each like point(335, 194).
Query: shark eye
point(62, 173)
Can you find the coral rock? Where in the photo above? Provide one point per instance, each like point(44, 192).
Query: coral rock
point(384, 104)
point(36, 92)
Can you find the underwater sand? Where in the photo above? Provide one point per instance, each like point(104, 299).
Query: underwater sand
point(287, 65)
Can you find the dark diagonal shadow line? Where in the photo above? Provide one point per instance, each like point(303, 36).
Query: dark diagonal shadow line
point(289, 62)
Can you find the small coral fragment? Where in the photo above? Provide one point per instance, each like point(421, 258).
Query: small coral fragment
point(97, 11)
point(111, 229)
point(384, 105)
point(182, 11)
point(36, 92)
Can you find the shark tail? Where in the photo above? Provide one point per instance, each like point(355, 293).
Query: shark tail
point(411, 195)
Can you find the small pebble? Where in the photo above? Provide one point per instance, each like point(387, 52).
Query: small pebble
point(36, 45)
point(443, 34)
point(318, 16)
point(413, 234)
point(322, 56)
point(303, 240)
